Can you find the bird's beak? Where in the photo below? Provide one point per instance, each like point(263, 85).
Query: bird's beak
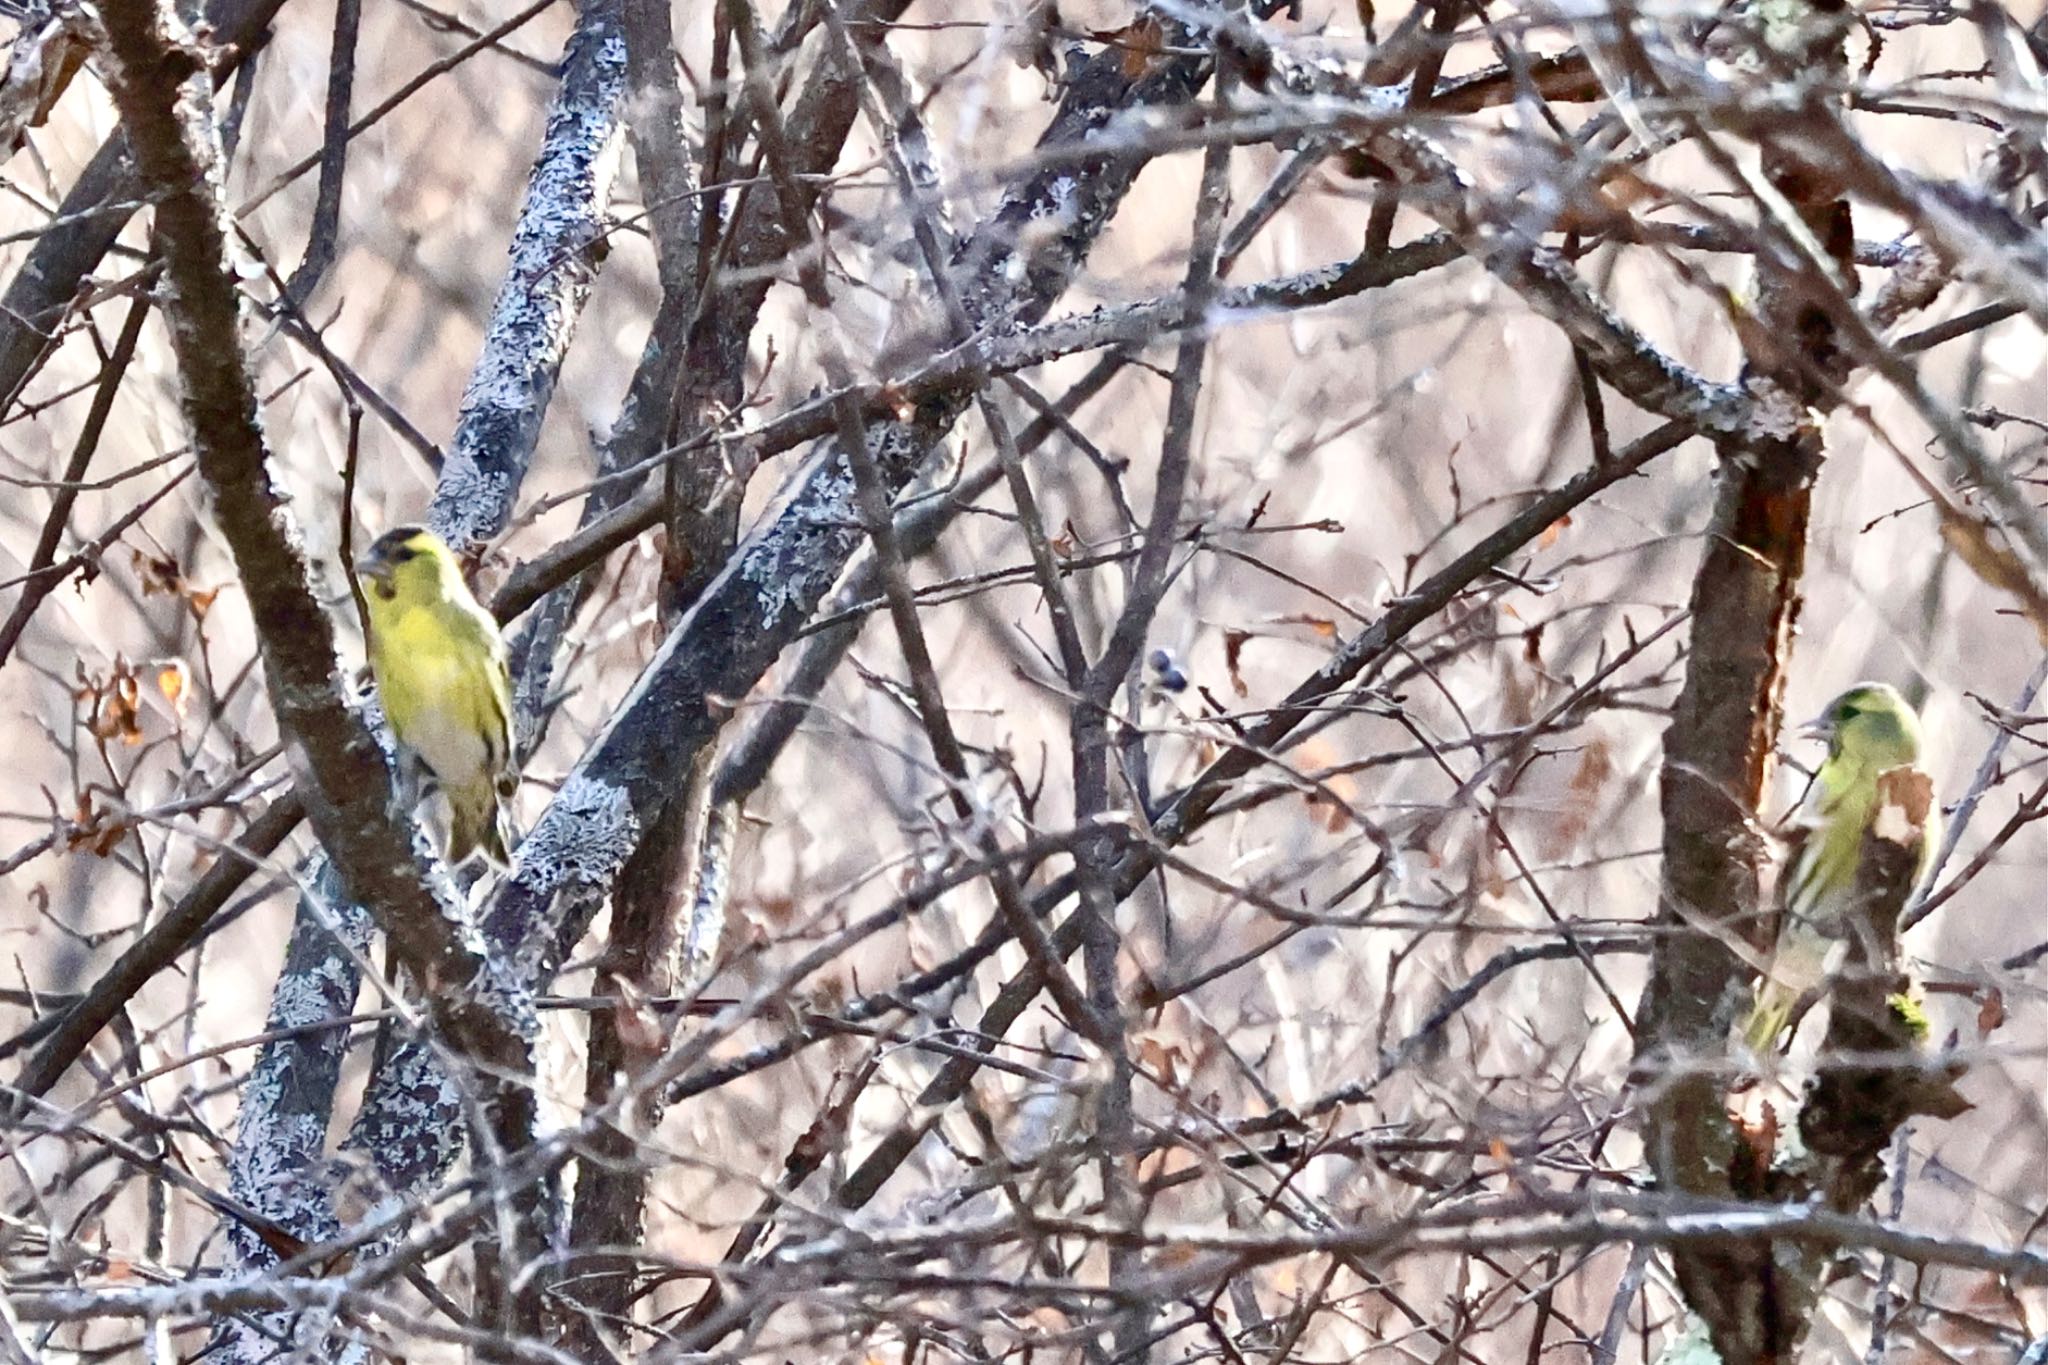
point(1817, 728)
point(374, 568)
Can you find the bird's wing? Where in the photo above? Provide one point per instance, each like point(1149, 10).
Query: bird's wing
point(1795, 834)
point(491, 690)
point(498, 722)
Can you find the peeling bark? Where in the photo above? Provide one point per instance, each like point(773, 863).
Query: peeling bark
point(1755, 1296)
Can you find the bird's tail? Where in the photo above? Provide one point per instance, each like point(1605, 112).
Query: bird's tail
point(1800, 966)
point(479, 822)
point(1768, 1016)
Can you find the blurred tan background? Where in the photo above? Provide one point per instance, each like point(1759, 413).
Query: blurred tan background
point(1410, 417)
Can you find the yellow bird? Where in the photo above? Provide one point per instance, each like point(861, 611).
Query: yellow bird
point(1871, 730)
point(440, 668)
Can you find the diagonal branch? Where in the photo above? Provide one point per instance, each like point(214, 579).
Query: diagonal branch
point(159, 81)
point(761, 599)
point(556, 249)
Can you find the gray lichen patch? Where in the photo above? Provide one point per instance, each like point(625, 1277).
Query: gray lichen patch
point(795, 562)
point(584, 838)
point(551, 272)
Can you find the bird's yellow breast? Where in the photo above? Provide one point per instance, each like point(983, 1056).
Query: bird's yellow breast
point(440, 675)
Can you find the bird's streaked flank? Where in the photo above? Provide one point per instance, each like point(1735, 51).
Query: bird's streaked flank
point(441, 674)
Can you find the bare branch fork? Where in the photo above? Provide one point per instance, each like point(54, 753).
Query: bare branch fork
point(161, 84)
point(589, 830)
point(1327, 855)
point(732, 634)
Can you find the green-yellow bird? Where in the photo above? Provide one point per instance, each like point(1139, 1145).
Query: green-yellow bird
point(440, 668)
point(1870, 730)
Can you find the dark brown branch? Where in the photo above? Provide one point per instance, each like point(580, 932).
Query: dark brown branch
point(38, 582)
point(341, 83)
point(1756, 1298)
point(160, 83)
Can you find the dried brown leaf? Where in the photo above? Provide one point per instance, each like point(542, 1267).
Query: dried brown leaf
point(170, 680)
point(1233, 657)
point(1142, 42)
point(1321, 625)
point(1990, 1012)
point(40, 66)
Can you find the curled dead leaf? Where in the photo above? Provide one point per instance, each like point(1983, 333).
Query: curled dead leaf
point(43, 59)
point(1990, 1012)
point(1142, 42)
point(1588, 781)
point(162, 574)
point(114, 702)
point(1335, 792)
point(93, 830)
point(1163, 1059)
point(1233, 656)
point(170, 680)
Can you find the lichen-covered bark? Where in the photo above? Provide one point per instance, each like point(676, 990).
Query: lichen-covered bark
point(758, 602)
point(287, 1101)
point(159, 80)
point(556, 248)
